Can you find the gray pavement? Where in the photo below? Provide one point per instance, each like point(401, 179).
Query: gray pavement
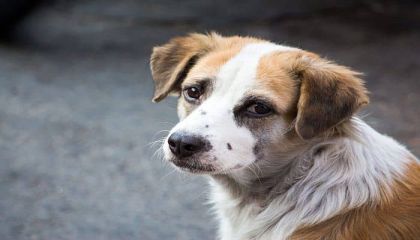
point(77, 123)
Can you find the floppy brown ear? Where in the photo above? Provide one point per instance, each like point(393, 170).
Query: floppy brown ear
point(171, 62)
point(329, 95)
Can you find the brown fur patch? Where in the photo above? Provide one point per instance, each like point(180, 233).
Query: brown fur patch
point(172, 62)
point(328, 94)
point(276, 81)
point(396, 217)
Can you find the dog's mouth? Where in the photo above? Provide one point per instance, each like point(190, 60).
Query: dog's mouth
point(194, 167)
point(201, 168)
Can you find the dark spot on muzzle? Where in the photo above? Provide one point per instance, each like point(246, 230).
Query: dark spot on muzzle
point(229, 147)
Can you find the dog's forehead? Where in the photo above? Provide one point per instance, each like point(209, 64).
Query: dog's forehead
point(239, 74)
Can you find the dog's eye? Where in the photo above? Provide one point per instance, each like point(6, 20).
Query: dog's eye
point(192, 93)
point(258, 110)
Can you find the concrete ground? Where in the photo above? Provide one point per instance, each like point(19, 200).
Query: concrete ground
point(77, 123)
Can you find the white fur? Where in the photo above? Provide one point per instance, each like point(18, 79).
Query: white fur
point(371, 160)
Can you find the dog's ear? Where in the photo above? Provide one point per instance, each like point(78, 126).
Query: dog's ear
point(170, 63)
point(329, 94)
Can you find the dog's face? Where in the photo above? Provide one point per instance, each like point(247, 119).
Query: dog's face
point(243, 99)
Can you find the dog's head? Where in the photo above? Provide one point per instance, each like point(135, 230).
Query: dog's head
point(242, 98)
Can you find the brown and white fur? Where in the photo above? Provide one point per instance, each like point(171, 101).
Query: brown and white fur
point(310, 169)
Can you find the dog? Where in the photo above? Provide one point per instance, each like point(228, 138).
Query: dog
point(276, 130)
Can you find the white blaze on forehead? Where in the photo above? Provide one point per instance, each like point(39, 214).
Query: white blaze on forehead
point(238, 75)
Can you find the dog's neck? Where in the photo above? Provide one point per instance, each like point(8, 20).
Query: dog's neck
point(317, 183)
point(259, 184)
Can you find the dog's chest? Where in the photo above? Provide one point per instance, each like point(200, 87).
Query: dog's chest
point(235, 216)
point(243, 218)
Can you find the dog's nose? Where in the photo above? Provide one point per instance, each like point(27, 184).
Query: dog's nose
point(184, 145)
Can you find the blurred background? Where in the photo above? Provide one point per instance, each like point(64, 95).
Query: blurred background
point(77, 122)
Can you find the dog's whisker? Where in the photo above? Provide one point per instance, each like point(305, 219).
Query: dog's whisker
point(167, 174)
point(154, 143)
point(162, 131)
point(160, 140)
point(253, 171)
point(258, 168)
point(158, 153)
